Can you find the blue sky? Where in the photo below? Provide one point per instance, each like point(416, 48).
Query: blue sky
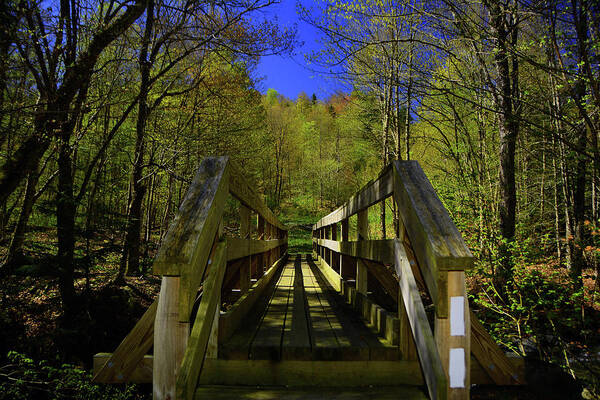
point(289, 76)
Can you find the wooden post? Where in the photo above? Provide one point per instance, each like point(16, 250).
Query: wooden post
point(170, 340)
point(361, 268)
point(321, 248)
point(453, 337)
point(245, 270)
point(345, 227)
point(260, 227)
point(212, 347)
point(270, 235)
point(333, 255)
point(406, 339)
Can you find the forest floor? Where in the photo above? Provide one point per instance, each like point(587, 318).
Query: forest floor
point(53, 359)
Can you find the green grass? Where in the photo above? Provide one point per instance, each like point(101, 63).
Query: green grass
point(299, 220)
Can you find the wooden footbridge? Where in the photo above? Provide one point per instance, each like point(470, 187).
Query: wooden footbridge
point(239, 318)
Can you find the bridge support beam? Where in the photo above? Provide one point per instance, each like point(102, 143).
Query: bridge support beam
point(170, 340)
point(333, 256)
point(361, 267)
point(453, 337)
point(245, 268)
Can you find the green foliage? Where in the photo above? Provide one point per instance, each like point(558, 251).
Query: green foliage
point(24, 378)
point(540, 307)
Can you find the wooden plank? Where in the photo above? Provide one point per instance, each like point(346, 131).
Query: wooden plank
point(430, 360)
point(142, 372)
point(237, 347)
point(349, 336)
point(308, 393)
point(373, 192)
point(232, 275)
point(267, 342)
point(383, 322)
point(212, 347)
point(426, 219)
point(170, 339)
point(385, 277)
point(190, 235)
point(313, 373)
point(130, 351)
point(440, 246)
point(325, 345)
point(245, 278)
point(492, 359)
point(296, 343)
point(230, 321)
point(238, 248)
point(453, 338)
point(362, 231)
point(380, 250)
point(193, 359)
point(243, 191)
point(405, 337)
point(345, 237)
point(332, 277)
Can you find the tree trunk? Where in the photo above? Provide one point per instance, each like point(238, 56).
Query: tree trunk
point(65, 222)
point(15, 251)
point(577, 260)
point(508, 131)
point(131, 246)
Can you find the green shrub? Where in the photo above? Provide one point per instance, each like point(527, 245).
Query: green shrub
point(24, 378)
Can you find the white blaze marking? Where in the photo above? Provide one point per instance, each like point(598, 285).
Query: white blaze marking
point(457, 316)
point(457, 368)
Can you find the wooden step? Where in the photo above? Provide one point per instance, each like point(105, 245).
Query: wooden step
point(272, 393)
point(315, 373)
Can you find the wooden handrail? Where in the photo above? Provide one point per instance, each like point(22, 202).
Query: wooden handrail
point(194, 254)
point(187, 378)
point(440, 257)
point(431, 363)
point(373, 192)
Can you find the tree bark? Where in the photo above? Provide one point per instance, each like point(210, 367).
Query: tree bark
point(131, 246)
point(15, 251)
point(508, 126)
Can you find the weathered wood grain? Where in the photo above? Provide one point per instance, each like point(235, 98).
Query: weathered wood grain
point(170, 339)
point(313, 373)
point(385, 278)
point(230, 321)
point(381, 250)
point(191, 366)
point(448, 342)
point(119, 367)
point(245, 226)
point(267, 342)
point(241, 189)
point(430, 360)
point(492, 359)
point(309, 393)
point(427, 220)
point(238, 248)
point(296, 343)
point(143, 372)
point(373, 192)
point(190, 235)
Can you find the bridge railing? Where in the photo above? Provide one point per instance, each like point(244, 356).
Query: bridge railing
point(198, 265)
point(427, 252)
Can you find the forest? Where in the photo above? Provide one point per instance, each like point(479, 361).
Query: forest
point(108, 107)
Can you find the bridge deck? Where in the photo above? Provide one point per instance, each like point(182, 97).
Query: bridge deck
point(302, 318)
